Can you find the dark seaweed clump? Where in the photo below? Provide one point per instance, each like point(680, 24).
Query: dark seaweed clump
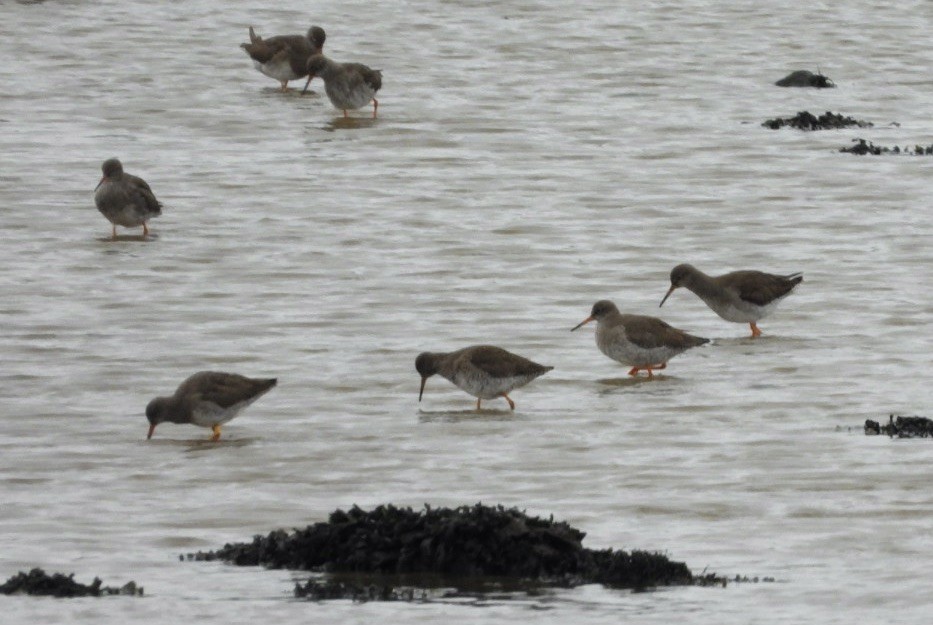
point(901, 427)
point(805, 120)
point(38, 582)
point(466, 542)
point(805, 78)
point(862, 147)
point(323, 590)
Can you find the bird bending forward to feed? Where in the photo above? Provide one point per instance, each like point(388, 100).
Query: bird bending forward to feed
point(745, 296)
point(483, 371)
point(207, 399)
point(348, 85)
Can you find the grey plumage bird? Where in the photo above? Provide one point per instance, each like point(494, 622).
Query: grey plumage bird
point(124, 199)
point(207, 399)
point(644, 343)
point(284, 57)
point(348, 85)
point(483, 371)
point(744, 296)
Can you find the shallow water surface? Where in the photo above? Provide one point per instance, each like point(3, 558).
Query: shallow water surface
point(529, 159)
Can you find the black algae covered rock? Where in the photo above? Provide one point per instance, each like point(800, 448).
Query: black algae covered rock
point(322, 590)
point(804, 78)
point(805, 120)
point(470, 541)
point(901, 427)
point(862, 147)
point(38, 582)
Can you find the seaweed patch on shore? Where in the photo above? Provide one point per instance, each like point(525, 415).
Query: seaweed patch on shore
point(38, 582)
point(805, 120)
point(862, 147)
point(455, 546)
point(901, 427)
point(328, 589)
point(806, 78)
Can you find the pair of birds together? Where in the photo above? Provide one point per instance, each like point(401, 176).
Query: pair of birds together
point(211, 398)
point(290, 57)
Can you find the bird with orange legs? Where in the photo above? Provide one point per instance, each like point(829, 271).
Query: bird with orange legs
point(745, 296)
point(644, 343)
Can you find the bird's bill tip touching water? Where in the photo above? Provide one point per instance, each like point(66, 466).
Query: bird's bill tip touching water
point(305, 90)
point(669, 291)
point(151, 430)
point(582, 323)
point(421, 392)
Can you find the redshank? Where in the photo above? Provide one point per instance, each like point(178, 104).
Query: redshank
point(284, 57)
point(483, 371)
point(207, 399)
point(740, 296)
point(645, 343)
point(348, 85)
point(124, 199)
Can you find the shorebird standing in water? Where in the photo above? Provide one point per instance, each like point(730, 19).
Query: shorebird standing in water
point(740, 296)
point(284, 57)
point(483, 371)
point(348, 85)
point(644, 343)
point(124, 199)
point(208, 399)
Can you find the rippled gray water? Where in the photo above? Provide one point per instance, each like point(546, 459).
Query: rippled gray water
point(529, 159)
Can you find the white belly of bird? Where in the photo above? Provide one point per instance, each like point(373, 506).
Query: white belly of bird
point(486, 387)
point(280, 70)
point(129, 217)
point(345, 98)
point(208, 414)
point(630, 354)
point(743, 313)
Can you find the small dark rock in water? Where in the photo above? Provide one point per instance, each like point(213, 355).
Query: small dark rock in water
point(745, 579)
point(323, 590)
point(862, 147)
point(467, 542)
point(805, 120)
point(804, 78)
point(901, 427)
point(38, 582)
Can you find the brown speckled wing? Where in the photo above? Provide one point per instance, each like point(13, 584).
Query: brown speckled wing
point(264, 50)
point(360, 74)
point(223, 389)
point(651, 332)
point(294, 48)
point(760, 288)
point(499, 363)
point(142, 194)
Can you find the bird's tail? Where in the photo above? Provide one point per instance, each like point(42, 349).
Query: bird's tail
point(253, 40)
